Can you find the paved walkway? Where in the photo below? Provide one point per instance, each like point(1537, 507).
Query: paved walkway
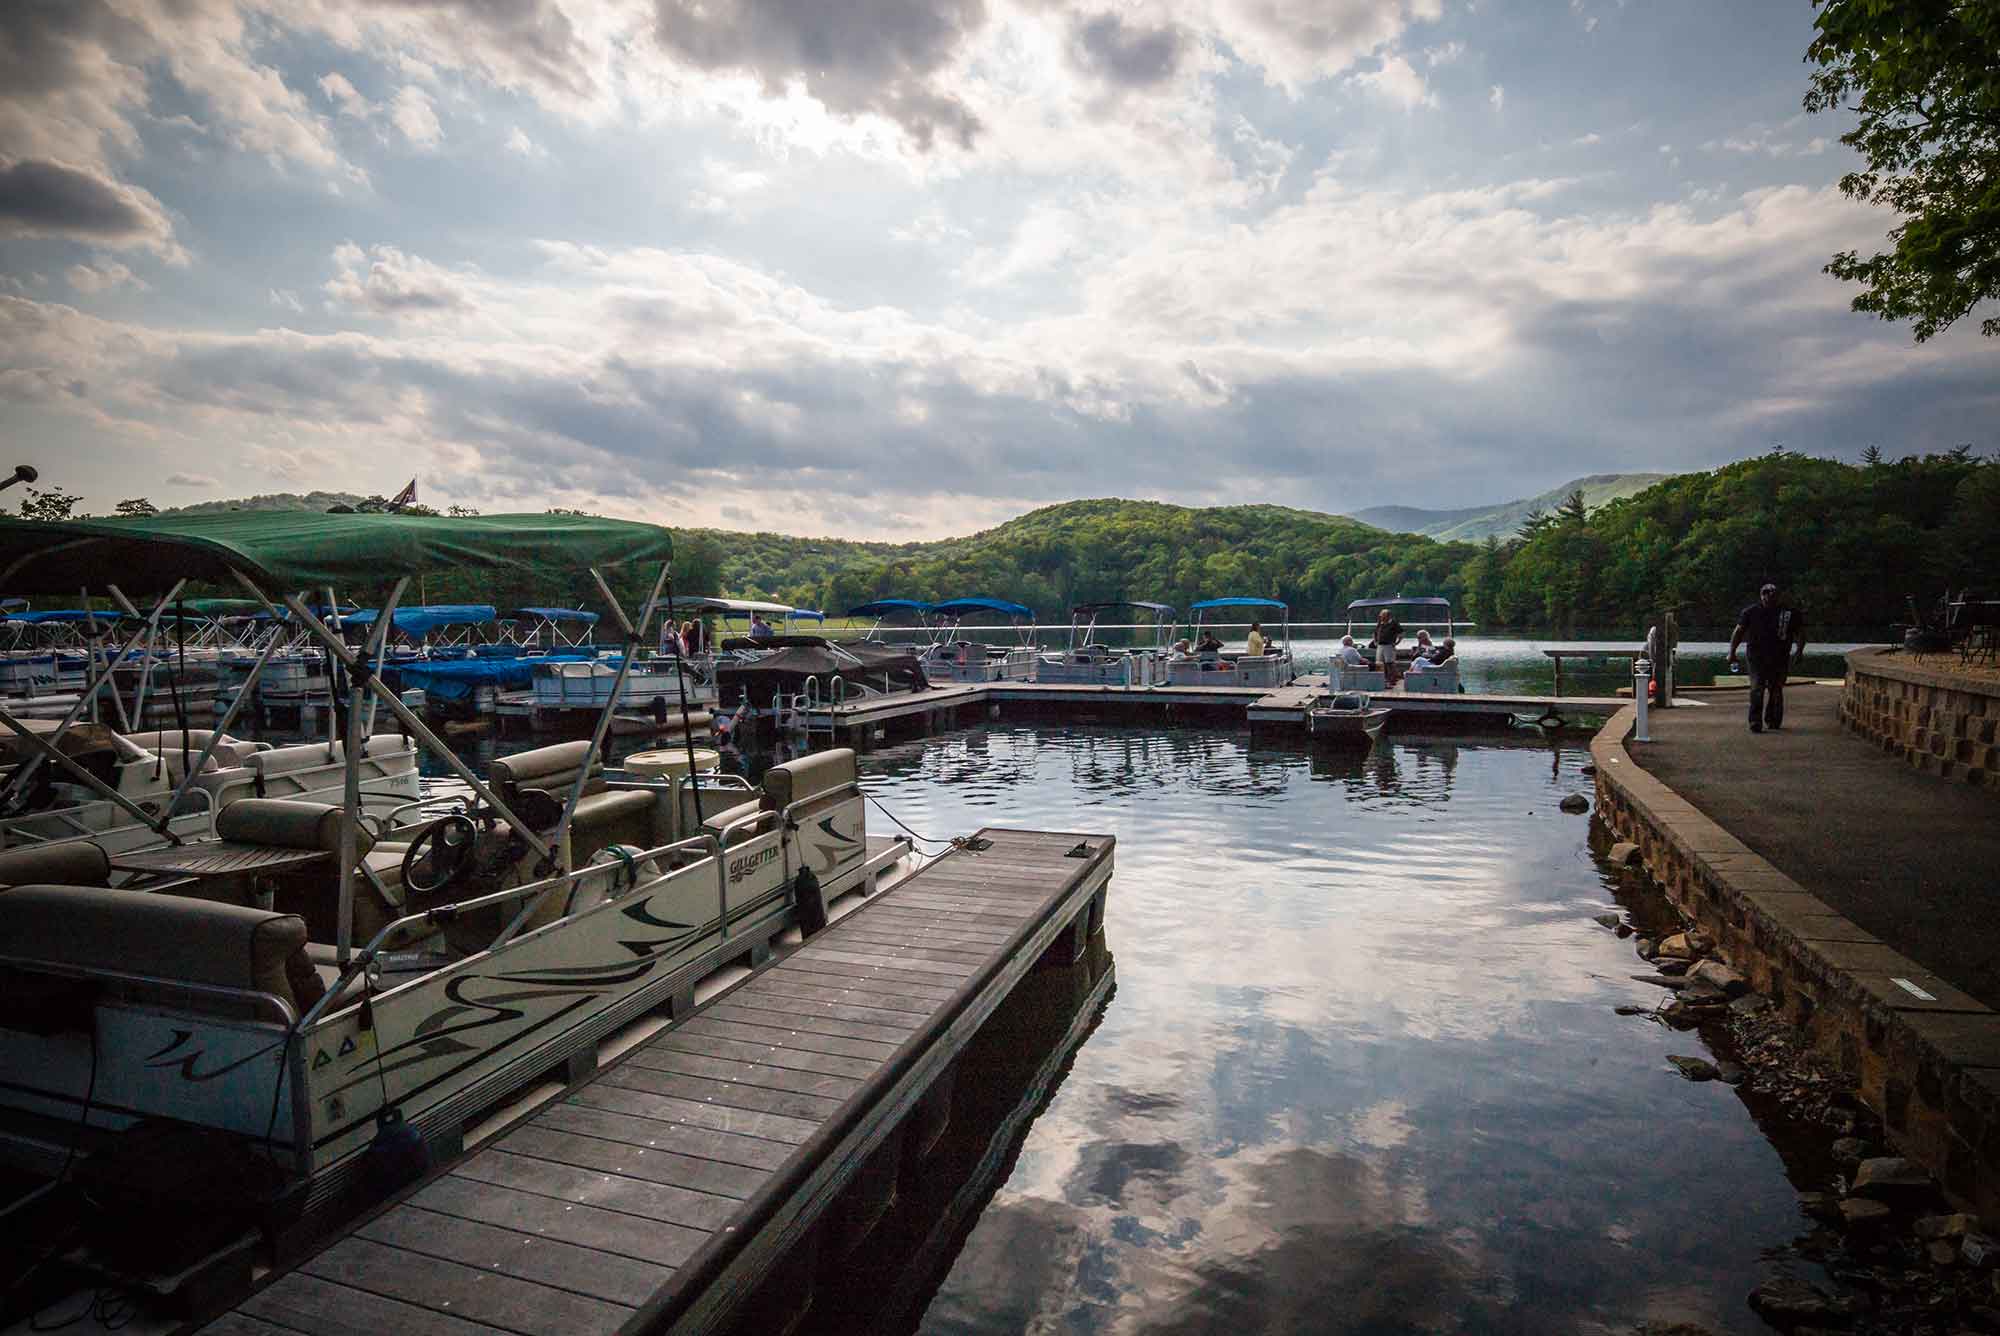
point(1908, 857)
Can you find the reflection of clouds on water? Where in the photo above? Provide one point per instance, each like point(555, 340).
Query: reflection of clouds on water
point(1361, 1071)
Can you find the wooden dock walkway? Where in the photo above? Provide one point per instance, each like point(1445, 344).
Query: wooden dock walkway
point(857, 722)
point(661, 1195)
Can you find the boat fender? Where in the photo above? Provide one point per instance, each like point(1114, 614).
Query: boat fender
point(397, 1156)
point(810, 897)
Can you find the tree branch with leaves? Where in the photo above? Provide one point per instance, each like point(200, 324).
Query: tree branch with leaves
point(1923, 78)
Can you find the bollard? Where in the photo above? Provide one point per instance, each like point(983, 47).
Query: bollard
point(1642, 675)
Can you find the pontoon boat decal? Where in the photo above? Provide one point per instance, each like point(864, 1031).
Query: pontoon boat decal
point(834, 858)
point(187, 1062)
point(740, 868)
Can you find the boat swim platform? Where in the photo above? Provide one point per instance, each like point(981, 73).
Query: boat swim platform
point(860, 722)
point(703, 1176)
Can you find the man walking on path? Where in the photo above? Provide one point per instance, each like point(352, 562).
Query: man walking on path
point(1775, 636)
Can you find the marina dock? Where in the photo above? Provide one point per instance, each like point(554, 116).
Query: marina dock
point(859, 722)
point(699, 1181)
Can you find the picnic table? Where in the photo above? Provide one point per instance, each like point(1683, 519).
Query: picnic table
point(216, 858)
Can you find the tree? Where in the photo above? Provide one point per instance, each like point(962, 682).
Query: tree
point(461, 512)
point(1872, 457)
point(1928, 99)
point(50, 504)
point(138, 507)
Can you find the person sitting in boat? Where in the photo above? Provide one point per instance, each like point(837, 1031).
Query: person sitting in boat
point(759, 628)
point(1182, 650)
point(1254, 644)
point(1424, 648)
point(1209, 646)
point(694, 635)
point(671, 642)
point(1446, 651)
point(1350, 653)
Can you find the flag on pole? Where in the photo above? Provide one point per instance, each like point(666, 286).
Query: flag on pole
point(406, 497)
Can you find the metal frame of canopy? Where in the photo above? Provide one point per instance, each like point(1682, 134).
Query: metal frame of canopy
point(553, 619)
point(531, 995)
point(957, 660)
point(1427, 601)
point(882, 609)
point(1165, 620)
point(219, 555)
point(1211, 604)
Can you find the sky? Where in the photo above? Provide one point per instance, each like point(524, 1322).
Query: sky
point(905, 268)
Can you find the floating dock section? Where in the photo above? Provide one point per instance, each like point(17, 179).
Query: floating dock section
point(701, 1181)
point(858, 723)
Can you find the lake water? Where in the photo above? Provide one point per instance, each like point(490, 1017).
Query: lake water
point(1361, 1071)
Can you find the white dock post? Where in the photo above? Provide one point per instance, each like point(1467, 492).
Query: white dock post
point(1642, 675)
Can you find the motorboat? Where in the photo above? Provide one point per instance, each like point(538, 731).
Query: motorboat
point(1440, 677)
point(1346, 719)
point(952, 657)
point(298, 997)
point(1224, 667)
point(1088, 661)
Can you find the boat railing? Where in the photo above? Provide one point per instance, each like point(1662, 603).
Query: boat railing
point(281, 1012)
point(437, 915)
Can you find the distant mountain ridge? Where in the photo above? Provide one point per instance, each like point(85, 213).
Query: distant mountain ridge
point(269, 501)
point(1504, 520)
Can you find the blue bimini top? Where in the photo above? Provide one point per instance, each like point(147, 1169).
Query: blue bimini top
point(1238, 603)
point(963, 607)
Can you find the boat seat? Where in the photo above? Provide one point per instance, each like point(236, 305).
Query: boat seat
point(167, 743)
point(70, 863)
point(286, 823)
point(166, 937)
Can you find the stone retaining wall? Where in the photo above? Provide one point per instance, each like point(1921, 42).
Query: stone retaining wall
point(1942, 722)
point(1924, 1055)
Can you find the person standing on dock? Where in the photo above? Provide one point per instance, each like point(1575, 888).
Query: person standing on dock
point(759, 628)
point(1775, 637)
point(1254, 643)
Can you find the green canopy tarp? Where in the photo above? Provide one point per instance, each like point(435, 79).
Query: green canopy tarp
point(296, 550)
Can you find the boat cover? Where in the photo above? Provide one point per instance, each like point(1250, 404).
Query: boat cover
point(296, 549)
point(888, 607)
point(557, 615)
point(784, 672)
point(1399, 603)
point(1089, 609)
point(965, 607)
point(456, 679)
point(418, 622)
point(1238, 603)
point(61, 615)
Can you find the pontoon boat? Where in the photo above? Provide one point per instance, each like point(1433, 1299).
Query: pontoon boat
point(1272, 668)
point(1087, 660)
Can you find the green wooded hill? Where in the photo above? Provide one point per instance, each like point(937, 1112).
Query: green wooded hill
point(1505, 520)
point(1084, 551)
point(1847, 541)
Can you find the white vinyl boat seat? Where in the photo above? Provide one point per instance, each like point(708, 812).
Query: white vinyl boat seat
point(166, 937)
point(169, 743)
point(70, 863)
point(1441, 678)
point(603, 815)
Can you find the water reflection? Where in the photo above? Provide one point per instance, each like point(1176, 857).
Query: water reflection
point(1362, 1071)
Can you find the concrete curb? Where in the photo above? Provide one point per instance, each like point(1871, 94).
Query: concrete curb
point(1925, 1055)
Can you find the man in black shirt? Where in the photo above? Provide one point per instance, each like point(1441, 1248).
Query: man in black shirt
point(1775, 636)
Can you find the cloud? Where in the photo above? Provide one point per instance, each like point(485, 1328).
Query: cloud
point(192, 480)
point(345, 97)
point(1270, 357)
point(1398, 82)
point(1586, 140)
point(1298, 42)
point(1128, 55)
point(1497, 98)
point(101, 277)
point(57, 199)
point(415, 115)
point(886, 57)
point(285, 298)
point(385, 281)
point(518, 142)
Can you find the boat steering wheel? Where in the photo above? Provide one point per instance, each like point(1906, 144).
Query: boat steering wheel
point(440, 856)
